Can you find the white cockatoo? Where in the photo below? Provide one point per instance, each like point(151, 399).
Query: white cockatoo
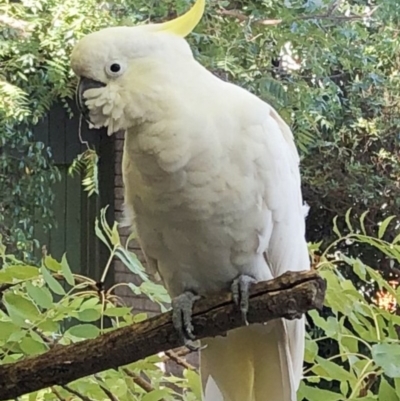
point(212, 185)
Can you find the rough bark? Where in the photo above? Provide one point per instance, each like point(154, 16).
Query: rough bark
point(288, 296)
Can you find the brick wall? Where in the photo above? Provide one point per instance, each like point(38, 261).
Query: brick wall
point(122, 274)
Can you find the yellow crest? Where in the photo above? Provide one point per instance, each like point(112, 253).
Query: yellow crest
point(184, 24)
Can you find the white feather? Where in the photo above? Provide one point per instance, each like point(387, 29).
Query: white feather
point(212, 178)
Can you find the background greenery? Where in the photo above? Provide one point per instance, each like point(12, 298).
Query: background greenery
point(331, 68)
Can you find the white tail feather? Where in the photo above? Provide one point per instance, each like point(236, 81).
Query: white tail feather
point(255, 363)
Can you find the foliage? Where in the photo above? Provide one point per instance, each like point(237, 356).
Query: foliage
point(46, 305)
point(86, 162)
point(26, 176)
point(362, 362)
point(330, 68)
point(334, 77)
point(36, 40)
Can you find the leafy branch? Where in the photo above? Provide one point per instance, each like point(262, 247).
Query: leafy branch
point(86, 163)
point(288, 296)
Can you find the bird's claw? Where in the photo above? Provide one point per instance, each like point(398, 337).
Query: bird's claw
point(182, 306)
point(240, 293)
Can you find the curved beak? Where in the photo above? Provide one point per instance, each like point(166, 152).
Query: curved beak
point(83, 85)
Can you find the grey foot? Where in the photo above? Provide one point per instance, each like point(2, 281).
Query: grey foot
point(240, 292)
point(182, 306)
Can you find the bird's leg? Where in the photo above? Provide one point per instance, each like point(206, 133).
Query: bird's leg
point(182, 306)
point(240, 292)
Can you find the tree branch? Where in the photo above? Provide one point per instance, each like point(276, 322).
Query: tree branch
point(289, 296)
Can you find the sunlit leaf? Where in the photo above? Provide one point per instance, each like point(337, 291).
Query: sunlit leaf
point(66, 271)
point(387, 356)
point(20, 309)
point(386, 391)
point(84, 331)
point(53, 284)
point(383, 226)
point(41, 295)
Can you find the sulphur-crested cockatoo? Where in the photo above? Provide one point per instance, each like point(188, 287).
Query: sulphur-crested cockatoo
point(212, 184)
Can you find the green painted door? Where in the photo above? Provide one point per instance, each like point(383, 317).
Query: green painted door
point(75, 213)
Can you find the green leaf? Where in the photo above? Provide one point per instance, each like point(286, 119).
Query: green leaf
point(23, 272)
point(90, 303)
point(344, 388)
point(318, 320)
point(311, 351)
point(194, 382)
point(84, 331)
point(347, 219)
point(114, 311)
point(334, 370)
point(52, 264)
point(309, 393)
point(20, 308)
point(387, 356)
point(118, 386)
point(335, 227)
point(383, 226)
point(396, 239)
point(66, 271)
point(49, 326)
point(362, 218)
point(348, 343)
point(386, 391)
point(17, 336)
point(359, 269)
point(5, 277)
point(140, 317)
point(115, 240)
point(54, 285)
point(41, 295)
point(155, 395)
point(89, 315)
point(100, 234)
point(6, 329)
point(132, 262)
point(32, 347)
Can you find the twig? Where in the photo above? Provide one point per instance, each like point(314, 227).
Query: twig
point(178, 360)
point(144, 384)
point(288, 296)
point(371, 379)
point(57, 394)
point(182, 351)
point(78, 280)
point(77, 393)
point(49, 341)
point(107, 392)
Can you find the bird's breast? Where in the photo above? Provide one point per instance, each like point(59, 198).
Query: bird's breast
point(194, 214)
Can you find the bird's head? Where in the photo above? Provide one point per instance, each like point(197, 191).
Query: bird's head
point(121, 69)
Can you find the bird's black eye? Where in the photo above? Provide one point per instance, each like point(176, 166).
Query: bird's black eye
point(115, 67)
